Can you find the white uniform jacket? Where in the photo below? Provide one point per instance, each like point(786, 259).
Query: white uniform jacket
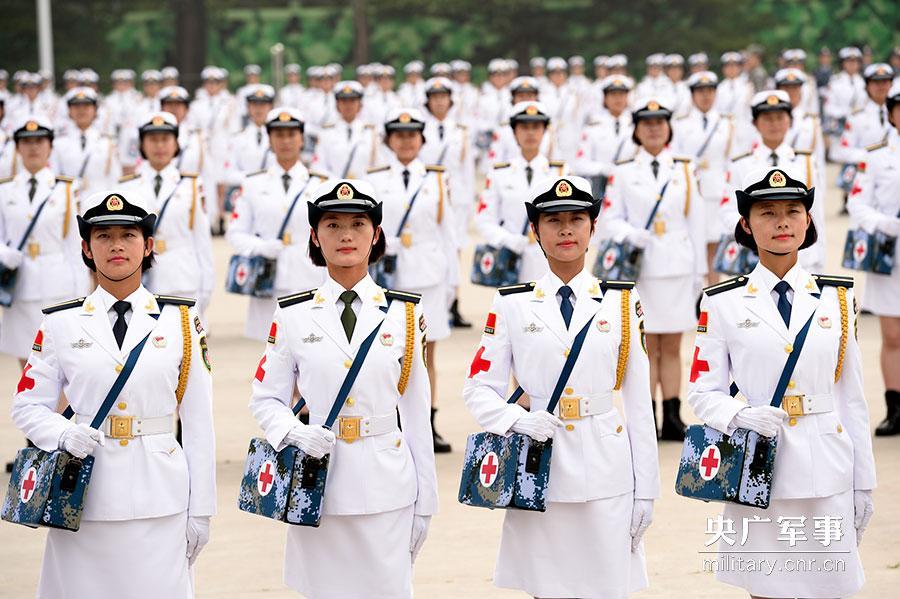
point(95, 166)
point(742, 337)
point(866, 126)
point(347, 150)
point(76, 354)
point(52, 268)
point(501, 217)
point(846, 93)
point(605, 140)
point(678, 246)
point(183, 264)
point(248, 152)
point(525, 337)
point(874, 201)
point(308, 350)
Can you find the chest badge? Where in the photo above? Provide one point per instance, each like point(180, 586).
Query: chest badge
point(748, 324)
point(159, 341)
point(603, 326)
point(81, 344)
point(532, 328)
point(386, 339)
point(824, 322)
point(311, 339)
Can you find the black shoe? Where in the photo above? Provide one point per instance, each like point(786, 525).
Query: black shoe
point(672, 426)
point(440, 446)
point(456, 319)
point(9, 467)
point(891, 424)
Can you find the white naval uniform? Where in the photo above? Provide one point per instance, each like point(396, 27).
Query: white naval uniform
point(733, 98)
point(846, 93)
point(805, 135)
point(183, 261)
point(501, 218)
point(257, 216)
point(605, 140)
point(675, 258)
point(800, 165)
point(248, 151)
point(375, 484)
point(142, 490)
point(600, 464)
point(51, 270)
point(566, 120)
point(10, 161)
point(448, 143)
point(291, 95)
point(822, 456)
point(874, 203)
point(504, 146)
point(690, 135)
point(95, 166)
point(347, 150)
point(428, 265)
point(865, 126)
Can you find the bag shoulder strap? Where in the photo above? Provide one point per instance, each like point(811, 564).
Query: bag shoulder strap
point(34, 220)
point(412, 201)
point(659, 199)
point(287, 217)
point(165, 205)
point(119, 383)
point(791, 363)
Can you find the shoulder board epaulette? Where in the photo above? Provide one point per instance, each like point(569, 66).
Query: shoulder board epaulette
point(435, 168)
point(833, 280)
point(682, 117)
point(802, 152)
point(130, 177)
point(322, 176)
point(557, 163)
point(65, 179)
point(174, 300)
point(592, 123)
point(368, 126)
point(6, 180)
point(461, 126)
point(681, 158)
point(296, 298)
point(403, 296)
point(74, 303)
point(881, 144)
point(624, 161)
point(259, 172)
point(328, 126)
point(741, 157)
point(519, 288)
point(499, 165)
point(617, 284)
point(190, 175)
point(504, 124)
point(726, 285)
point(378, 169)
point(810, 115)
point(857, 111)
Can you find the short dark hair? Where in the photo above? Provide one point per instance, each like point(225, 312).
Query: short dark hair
point(378, 250)
point(146, 263)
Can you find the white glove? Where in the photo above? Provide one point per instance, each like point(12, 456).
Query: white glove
point(765, 420)
point(81, 440)
point(314, 440)
point(419, 532)
point(890, 226)
point(640, 237)
point(863, 508)
point(197, 534)
point(269, 248)
point(641, 518)
point(11, 258)
point(540, 425)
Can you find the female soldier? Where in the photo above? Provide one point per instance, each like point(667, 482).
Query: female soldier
point(656, 183)
point(266, 198)
point(824, 470)
point(182, 242)
point(382, 486)
point(426, 247)
point(146, 514)
point(874, 205)
point(604, 474)
point(39, 208)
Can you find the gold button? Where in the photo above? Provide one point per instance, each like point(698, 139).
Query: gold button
point(792, 422)
point(791, 384)
point(840, 428)
point(569, 390)
point(122, 405)
point(350, 401)
point(788, 348)
point(118, 368)
point(566, 353)
point(619, 429)
point(398, 442)
point(123, 442)
point(347, 363)
point(570, 427)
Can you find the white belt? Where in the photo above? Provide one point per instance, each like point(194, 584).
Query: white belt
point(802, 405)
point(576, 408)
point(351, 428)
point(129, 427)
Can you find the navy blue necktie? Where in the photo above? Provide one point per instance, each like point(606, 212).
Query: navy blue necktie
point(784, 306)
point(565, 306)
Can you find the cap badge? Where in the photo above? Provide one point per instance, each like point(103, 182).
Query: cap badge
point(777, 179)
point(526, 85)
point(284, 116)
point(345, 192)
point(158, 121)
point(114, 203)
point(260, 93)
point(31, 126)
point(563, 189)
point(531, 110)
point(652, 106)
point(80, 95)
point(347, 89)
point(404, 118)
point(771, 100)
point(791, 77)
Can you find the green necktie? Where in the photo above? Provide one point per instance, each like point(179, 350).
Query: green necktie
point(348, 316)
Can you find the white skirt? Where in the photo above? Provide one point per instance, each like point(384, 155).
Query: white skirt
point(775, 569)
point(138, 559)
point(436, 308)
point(669, 304)
point(21, 322)
point(572, 550)
point(259, 318)
point(711, 212)
point(352, 557)
point(882, 295)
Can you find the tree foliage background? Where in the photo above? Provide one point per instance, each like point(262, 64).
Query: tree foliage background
point(108, 34)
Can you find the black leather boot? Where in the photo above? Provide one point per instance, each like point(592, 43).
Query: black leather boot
point(891, 423)
point(672, 426)
point(456, 319)
point(440, 446)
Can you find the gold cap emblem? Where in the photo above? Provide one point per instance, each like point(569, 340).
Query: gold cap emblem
point(652, 106)
point(260, 93)
point(284, 116)
point(531, 110)
point(771, 100)
point(80, 95)
point(114, 203)
point(31, 126)
point(347, 89)
point(526, 84)
point(777, 179)
point(345, 192)
point(404, 118)
point(563, 189)
point(791, 76)
point(158, 121)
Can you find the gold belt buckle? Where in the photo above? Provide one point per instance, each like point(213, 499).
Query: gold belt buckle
point(793, 405)
point(120, 427)
point(570, 408)
point(348, 428)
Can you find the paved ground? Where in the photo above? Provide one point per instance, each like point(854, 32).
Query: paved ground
point(244, 558)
